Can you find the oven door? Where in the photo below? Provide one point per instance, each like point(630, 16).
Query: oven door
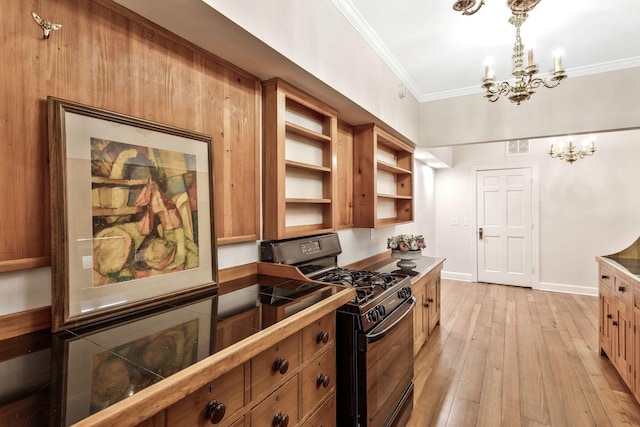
point(388, 353)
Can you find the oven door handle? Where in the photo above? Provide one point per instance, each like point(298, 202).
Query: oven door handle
point(379, 335)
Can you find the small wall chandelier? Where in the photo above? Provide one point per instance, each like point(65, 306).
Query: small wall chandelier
point(572, 153)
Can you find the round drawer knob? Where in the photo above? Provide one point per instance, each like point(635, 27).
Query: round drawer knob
point(280, 419)
point(215, 411)
point(280, 365)
point(322, 380)
point(322, 337)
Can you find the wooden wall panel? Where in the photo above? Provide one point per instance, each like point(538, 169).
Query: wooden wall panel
point(345, 175)
point(108, 57)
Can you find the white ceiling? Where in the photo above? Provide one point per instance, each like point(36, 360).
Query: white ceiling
point(439, 53)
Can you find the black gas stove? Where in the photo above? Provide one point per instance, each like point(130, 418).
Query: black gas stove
point(377, 294)
point(374, 332)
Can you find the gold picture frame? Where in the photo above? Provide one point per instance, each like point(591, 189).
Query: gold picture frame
point(132, 213)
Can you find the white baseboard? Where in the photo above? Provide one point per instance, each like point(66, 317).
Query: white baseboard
point(452, 275)
point(544, 286)
point(568, 289)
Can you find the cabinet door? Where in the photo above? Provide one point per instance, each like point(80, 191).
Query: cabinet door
point(274, 365)
point(226, 392)
point(636, 352)
point(622, 340)
point(325, 416)
point(317, 381)
point(604, 323)
point(420, 315)
point(280, 408)
point(433, 300)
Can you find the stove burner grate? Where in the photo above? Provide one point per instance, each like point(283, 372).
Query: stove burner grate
point(365, 282)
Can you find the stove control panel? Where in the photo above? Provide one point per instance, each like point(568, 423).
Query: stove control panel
point(378, 312)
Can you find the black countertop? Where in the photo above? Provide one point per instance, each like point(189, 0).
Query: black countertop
point(632, 265)
point(62, 378)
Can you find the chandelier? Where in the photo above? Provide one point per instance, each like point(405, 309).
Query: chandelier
point(525, 82)
point(469, 7)
point(572, 153)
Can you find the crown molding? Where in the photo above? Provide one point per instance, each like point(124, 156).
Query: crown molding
point(360, 24)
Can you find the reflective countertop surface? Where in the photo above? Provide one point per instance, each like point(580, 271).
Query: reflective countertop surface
point(62, 378)
point(632, 265)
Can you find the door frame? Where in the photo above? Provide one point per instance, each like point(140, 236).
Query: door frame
point(535, 215)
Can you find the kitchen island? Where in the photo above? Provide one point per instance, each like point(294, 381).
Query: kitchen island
point(619, 313)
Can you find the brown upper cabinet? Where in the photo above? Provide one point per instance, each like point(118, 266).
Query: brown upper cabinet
point(299, 163)
point(383, 178)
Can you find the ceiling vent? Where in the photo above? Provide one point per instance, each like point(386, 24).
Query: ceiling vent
point(519, 147)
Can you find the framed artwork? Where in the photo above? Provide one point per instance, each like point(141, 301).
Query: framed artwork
point(132, 218)
point(97, 369)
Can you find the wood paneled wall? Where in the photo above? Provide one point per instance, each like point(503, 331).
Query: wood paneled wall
point(108, 57)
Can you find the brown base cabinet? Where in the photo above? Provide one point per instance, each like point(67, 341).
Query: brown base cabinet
point(619, 321)
point(426, 315)
point(292, 382)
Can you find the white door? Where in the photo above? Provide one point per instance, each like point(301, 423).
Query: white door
point(504, 219)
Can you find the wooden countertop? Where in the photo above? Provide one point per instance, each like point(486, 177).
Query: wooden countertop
point(148, 402)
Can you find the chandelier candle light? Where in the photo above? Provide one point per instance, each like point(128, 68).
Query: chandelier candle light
point(572, 154)
point(525, 82)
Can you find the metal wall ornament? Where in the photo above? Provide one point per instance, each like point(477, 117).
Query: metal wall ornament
point(46, 26)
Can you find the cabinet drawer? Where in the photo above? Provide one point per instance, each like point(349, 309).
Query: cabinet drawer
point(228, 390)
point(272, 366)
point(318, 336)
point(318, 380)
point(623, 290)
point(605, 276)
point(283, 402)
point(325, 416)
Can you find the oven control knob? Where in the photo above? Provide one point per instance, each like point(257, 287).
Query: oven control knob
point(373, 315)
point(404, 292)
point(381, 310)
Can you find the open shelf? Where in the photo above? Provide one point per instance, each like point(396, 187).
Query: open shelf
point(299, 150)
point(383, 180)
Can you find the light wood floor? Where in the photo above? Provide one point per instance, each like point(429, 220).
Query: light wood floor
point(509, 356)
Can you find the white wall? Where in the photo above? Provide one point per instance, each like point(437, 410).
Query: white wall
point(586, 209)
point(317, 37)
point(595, 103)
